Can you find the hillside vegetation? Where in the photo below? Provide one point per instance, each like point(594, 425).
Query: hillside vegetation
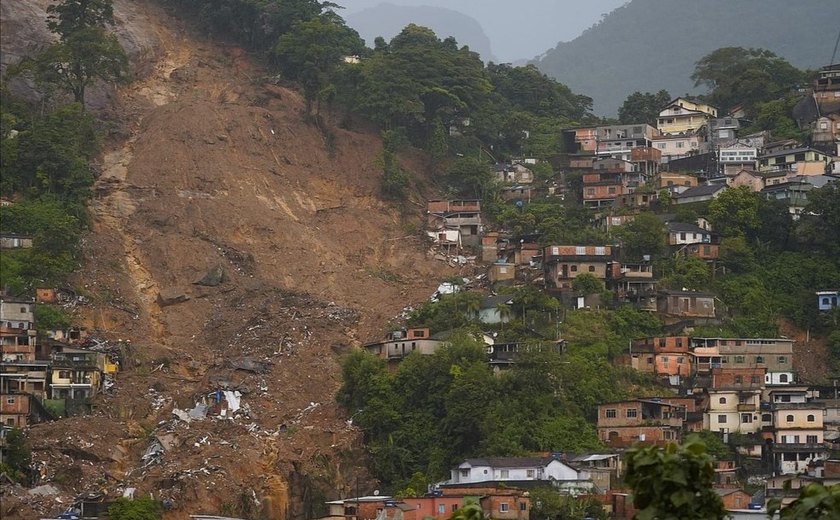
point(648, 45)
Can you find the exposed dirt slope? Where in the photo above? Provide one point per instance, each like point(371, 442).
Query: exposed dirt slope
point(218, 168)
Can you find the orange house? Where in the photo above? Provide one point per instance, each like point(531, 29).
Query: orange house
point(669, 354)
point(438, 508)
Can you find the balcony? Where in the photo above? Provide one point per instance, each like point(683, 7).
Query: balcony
point(799, 447)
point(747, 407)
point(89, 362)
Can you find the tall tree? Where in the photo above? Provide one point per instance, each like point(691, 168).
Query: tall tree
point(736, 75)
point(644, 235)
point(70, 16)
point(735, 212)
point(642, 108)
point(674, 483)
point(85, 52)
point(313, 49)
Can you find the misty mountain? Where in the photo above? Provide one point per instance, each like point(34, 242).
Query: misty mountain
point(647, 45)
point(387, 20)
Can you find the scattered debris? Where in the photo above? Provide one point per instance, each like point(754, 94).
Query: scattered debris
point(153, 453)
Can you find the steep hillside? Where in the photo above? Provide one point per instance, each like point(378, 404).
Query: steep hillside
point(387, 20)
point(647, 45)
point(210, 166)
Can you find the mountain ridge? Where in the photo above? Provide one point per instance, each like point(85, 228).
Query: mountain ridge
point(648, 45)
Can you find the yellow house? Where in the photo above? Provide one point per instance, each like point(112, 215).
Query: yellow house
point(684, 115)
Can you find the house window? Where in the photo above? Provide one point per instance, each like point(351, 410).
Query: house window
point(721, 419)
point(523, 506)
point(590, 191)
point(465, 473)
point(591, 268)
point(789, 418)
point(754, 380)
point(454, 507)
point(784, 379)
point(682, 236)
point(811, 418)
point(746, 417)
point(811, 439)
point(766, 417)
point(739, 359)
point(504, 473)
point(738, 380)
point(631, 413)
point(782, 360)
point(574, 268)
point(759, 359)
point(530, 473)
point(503, 508)
point(722, 400)
point(10, 400)
point(441, 509)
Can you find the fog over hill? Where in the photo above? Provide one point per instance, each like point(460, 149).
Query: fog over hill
point(647, 45)
point(517, 30)
point(387, 20)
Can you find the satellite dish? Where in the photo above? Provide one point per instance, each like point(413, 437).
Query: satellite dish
point(376, 492)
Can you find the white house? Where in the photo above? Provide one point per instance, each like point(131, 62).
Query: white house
point(514, 469)
point(680, 233)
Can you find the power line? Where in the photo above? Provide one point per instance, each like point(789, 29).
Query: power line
point(834, 54)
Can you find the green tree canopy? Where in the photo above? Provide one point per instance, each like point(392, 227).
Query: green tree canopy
point(313, 49)
point(144, 508)
point(736, 75)
point(85, 53)
point(70, 16)
point(674, 483)
point(644, 235)
point(734, 212)
point(642, 108)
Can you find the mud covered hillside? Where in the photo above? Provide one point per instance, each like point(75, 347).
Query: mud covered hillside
point(209, 169)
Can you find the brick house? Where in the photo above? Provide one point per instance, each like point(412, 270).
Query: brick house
point(649, 421)
point(14, 410)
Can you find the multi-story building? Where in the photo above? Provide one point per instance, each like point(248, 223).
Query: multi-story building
point(17, 313)
point(684, 115)
point(651, 421)
point(661, 356)
point(776, 354)
point(14, 410)
point(734, 400)
point(633, 282)
point(798, 436)
point(562, 264)
point(461, 215)
point(677, 145)
point(618, 141)
point(602, 188)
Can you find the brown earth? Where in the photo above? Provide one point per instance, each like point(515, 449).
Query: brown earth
point(210, 166)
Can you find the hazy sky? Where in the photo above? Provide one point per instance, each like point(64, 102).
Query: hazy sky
point(518, 29)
